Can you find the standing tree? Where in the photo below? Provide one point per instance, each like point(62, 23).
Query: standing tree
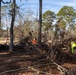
point(68, 14)
point(14, 10)
point(60, 27)
point(12, 24)
point(0, 9)
point(40, 21)
point(48, 19)
point(5, 17)
point(0, 15)
point(7, 12)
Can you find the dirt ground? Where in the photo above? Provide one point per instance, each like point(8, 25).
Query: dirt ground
point(22, 64)
point(27, 64)
point(33, 60)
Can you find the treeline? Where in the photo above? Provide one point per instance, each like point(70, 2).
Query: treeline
point(53, 25)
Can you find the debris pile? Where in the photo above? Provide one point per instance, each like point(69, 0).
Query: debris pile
point(30, 59)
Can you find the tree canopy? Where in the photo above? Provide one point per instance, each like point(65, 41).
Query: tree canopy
point(68, 14)
point(48, 18)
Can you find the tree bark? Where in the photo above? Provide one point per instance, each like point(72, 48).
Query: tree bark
point(0, 14)
point(12, 25)
point(40, 21)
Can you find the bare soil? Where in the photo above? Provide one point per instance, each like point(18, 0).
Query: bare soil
point(27, 59)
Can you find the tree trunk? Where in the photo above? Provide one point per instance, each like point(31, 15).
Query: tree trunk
point(40, 21)
point(0, 14)
point(12, 25)
point(56, 32)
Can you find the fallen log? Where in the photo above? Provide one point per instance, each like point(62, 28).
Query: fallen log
point(64, 71)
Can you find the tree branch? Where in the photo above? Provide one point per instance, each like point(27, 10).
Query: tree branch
point(6, 2)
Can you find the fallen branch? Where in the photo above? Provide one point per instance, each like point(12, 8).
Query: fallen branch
point(14, 70)
point(60, 68)
point(37, 71)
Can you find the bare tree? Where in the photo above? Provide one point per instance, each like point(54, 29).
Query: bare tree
point(12, 25)
point(0, 14)
point(0, 9)
point(40, 21)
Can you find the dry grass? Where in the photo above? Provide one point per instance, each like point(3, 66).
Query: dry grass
point(2, 40)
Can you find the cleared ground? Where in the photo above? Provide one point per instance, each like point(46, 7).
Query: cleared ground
point(27, 59)
point(3, 40)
